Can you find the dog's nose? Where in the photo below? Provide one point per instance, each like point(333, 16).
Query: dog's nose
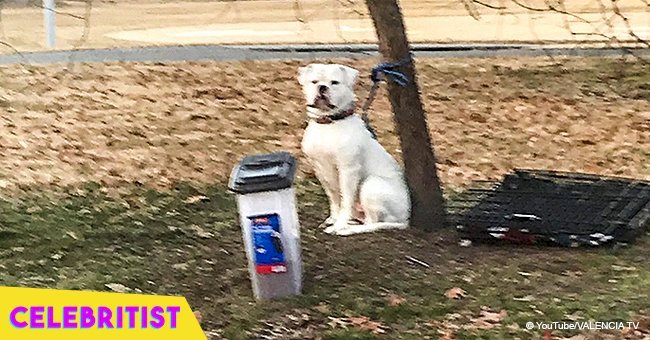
point(322, 89)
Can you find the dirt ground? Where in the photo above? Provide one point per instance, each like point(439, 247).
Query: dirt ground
point(158, 124)
point(137, 23)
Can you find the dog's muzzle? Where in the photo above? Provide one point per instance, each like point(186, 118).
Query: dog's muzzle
point(322, 102)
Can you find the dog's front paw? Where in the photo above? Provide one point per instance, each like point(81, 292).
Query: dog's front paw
point(349, 230)
point(328, 222)
point(330, 230)
point(333, 229)
point(340, 224)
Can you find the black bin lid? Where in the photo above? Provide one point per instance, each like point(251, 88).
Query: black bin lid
point(266, 172)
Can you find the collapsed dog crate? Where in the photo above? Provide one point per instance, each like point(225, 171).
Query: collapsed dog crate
point(563, 208)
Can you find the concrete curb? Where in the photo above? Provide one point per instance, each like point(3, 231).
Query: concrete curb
point(304, 51)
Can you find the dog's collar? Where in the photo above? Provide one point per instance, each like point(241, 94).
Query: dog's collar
point(329, 119)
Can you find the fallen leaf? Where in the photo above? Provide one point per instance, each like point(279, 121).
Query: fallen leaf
point(629, 332)
point(548, 335)
point(643, 324)
point(573, 316)
point(456, 293)
point(492, 316)
point(322, 308)
point(622, 268)
point(358, 320)
point(372, 326)
point(526, 298)
point(465, 243)
point(446, 330)
point(488, 319)
point(195, 199)
point(395, 300)
point(453, 316)
point(447, 335)
point(576, 337)
point(180, 266)
point(361, 322)
point(200, 232)
point(117, 287)
point(513, 327)
point(482, 324)
point(198, 316)
point(337, 322)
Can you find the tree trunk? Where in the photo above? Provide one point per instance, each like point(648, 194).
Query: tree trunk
point(428, 209)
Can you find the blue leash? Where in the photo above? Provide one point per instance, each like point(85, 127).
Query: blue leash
point(388, 71)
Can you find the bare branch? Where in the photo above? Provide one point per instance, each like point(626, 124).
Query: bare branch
point(86, 31)
point(533, 31)
point(231, 6)
point(534, 9)
point(337, 21)
point(84, 36)
point(59, 12)
point(563, 11)
point(567, 24)
point(489, 5)
point(10, 46)
point(499, 26)
point(614, 40)
point(559, 7)
point(351, 3)
point(550, 8)
point(626, 21)
point(4, 43)
point(596, 34)
point(471, 9)
point(297, 9)
point(2, 24)
point(603, 13)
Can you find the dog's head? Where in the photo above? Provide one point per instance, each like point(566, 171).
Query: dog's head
point(328, 88)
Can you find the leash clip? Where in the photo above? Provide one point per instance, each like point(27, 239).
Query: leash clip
point(387, 70)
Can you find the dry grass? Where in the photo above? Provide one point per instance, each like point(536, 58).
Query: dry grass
point(129, 125)
point(157, 124)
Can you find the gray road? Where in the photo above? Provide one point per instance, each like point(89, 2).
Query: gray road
point(266, 52)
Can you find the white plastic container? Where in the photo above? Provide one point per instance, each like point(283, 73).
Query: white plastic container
point(269, 222)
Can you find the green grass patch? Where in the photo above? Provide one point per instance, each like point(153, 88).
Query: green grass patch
point(156, 242)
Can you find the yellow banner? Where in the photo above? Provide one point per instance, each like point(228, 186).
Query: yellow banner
point(28, 313)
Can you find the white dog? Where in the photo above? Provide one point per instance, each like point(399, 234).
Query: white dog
point(352, 166)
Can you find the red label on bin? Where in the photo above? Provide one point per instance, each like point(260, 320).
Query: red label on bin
point(270, 268)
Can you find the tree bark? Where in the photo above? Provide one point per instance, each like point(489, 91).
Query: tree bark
point(428, 210)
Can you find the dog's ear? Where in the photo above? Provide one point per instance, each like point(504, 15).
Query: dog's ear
point(303, 73)
point(351, 75)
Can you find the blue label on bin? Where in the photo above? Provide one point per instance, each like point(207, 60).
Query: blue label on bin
point(267, 244)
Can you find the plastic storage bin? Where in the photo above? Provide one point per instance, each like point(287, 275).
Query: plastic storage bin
point(269, 222)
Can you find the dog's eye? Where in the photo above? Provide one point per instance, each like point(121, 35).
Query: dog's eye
point(335, 82)
point(314, 81)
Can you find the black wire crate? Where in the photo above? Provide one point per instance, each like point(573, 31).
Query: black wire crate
point(564, 208)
